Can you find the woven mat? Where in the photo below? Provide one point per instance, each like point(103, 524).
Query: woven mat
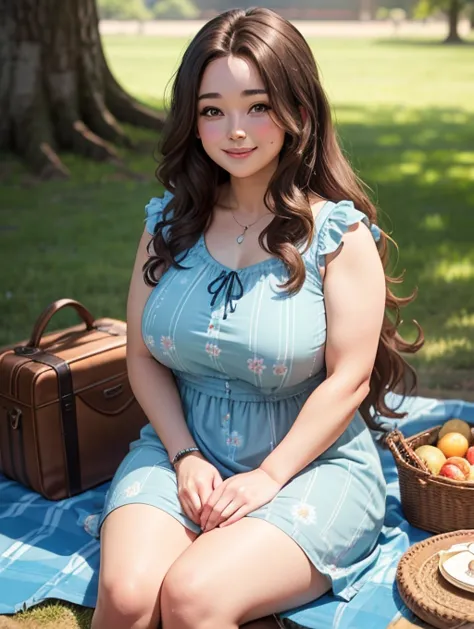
point(425, 591)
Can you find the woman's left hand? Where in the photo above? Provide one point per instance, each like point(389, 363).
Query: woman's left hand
point(236, 497)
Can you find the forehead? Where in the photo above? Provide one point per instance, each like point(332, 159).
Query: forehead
point(229, 74)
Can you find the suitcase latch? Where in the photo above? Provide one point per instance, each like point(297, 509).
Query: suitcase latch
point(14, 417)
point(113, 391)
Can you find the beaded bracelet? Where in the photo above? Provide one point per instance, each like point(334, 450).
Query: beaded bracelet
point(182, 453)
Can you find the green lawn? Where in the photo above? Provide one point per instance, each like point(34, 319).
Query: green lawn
point(405, 112)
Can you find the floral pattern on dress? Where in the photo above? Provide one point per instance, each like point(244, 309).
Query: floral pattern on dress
point(213, 350)
point(303, 513)
point(132, 490)
point(149, 340)
point(256, 365)
point(167, 343)
point(234, 439)
point(91, 524)
point(280, 369)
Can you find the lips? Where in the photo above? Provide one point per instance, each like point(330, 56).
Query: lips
point(239, 151)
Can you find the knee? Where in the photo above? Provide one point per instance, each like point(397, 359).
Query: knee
point(124, 602)
point(188, 598)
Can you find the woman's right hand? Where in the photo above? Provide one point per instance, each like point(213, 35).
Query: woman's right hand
point(197, 479)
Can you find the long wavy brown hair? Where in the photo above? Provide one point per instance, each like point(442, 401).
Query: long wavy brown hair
point(311, 163)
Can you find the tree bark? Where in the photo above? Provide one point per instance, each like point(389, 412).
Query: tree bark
point(454, 11)
point(56, 89)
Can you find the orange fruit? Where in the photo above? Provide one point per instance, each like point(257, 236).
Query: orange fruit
point(453, 444)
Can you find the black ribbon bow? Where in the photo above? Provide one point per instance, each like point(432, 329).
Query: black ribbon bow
point(224, 285)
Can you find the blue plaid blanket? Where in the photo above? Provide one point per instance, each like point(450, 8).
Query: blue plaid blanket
point(49, 549)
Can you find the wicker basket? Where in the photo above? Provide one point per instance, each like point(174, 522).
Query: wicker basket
point(432, 503)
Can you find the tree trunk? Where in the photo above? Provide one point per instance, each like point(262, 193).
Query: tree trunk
point(454, 11)
point(56, 90)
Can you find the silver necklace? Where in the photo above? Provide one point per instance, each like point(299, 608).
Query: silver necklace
point(240, 237)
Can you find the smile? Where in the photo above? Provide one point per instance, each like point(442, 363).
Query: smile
point(240, 153)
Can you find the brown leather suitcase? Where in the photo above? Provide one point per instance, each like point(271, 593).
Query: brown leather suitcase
point(67, 412)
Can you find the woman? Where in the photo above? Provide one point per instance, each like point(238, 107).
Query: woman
point(256, 332)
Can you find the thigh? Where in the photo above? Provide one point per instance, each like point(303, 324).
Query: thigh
point(251, 569)
point(139, 543)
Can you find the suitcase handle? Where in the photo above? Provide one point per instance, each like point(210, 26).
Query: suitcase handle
point(45, 317)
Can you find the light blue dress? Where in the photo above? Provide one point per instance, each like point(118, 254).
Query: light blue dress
point(244, 366)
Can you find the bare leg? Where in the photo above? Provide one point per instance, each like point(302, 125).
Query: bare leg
point(138, 545)
point(236, 575)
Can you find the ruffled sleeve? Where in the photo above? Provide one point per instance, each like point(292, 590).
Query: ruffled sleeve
point(154, 211)
point(333, 222)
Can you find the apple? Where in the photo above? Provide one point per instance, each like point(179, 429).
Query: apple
point(432, 457)
point(461, 463)
point(456, 425)
point(452, 471)
point(471, 474)
point(470, 455)
point(453, 444)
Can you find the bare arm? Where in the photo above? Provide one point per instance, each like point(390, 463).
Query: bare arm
point(152, 383)
point(354, 290)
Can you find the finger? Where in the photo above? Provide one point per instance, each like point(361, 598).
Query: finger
point(217, 480)
point(195, 500)
point(209, 504)
point(215, 514)
point(238, 515)
point(188, 509)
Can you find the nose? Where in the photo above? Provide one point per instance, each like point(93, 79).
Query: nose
point(236, 132)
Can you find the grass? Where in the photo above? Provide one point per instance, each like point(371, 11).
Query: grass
point(405, 113)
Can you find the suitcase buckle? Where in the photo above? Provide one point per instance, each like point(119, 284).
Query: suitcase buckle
point(14, 417)
point(24, 350)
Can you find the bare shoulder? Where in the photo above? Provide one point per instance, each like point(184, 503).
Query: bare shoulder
point(317, 203)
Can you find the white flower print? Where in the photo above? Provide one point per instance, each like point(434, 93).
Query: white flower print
point(280, 369)
point(212, 350)
point(256, 365)
point(234, 439)
point(132, 490)
point(167, 343)
point(304, 513)
point(149, 340)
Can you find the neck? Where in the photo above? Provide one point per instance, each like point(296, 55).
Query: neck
point(246, 195)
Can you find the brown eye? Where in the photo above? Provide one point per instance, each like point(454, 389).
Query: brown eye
point(210, 112)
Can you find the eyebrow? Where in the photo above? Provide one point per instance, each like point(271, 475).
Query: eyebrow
point(244, 93)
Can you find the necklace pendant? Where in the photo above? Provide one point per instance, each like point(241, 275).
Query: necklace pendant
point(240, 239)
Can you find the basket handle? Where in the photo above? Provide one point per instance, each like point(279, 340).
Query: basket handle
point(401, 449)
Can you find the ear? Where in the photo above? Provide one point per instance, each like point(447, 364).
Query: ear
point(304, 114)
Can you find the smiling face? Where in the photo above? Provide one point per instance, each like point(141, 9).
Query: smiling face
point(235, 121)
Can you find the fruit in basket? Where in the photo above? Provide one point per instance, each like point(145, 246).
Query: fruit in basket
point(471, 474)
point(432, 457)
point(456, 425)
point(453, 444)
point(470, 455)
point(452, 471)
point(461, 463)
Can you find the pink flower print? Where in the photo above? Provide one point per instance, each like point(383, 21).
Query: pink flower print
point(280, 369)
point(234, 439)
point(167, 343)
point(256, 365)
point(212, 350)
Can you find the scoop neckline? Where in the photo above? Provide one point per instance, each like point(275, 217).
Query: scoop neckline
point(267, 262)
point(271, 261)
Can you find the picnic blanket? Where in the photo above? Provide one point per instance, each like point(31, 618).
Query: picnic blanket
point(50, 549)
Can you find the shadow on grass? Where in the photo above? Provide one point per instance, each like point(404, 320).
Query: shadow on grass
point(78, 238)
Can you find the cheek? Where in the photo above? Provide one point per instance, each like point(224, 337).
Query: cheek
point(267, 132)
point(210, 133)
